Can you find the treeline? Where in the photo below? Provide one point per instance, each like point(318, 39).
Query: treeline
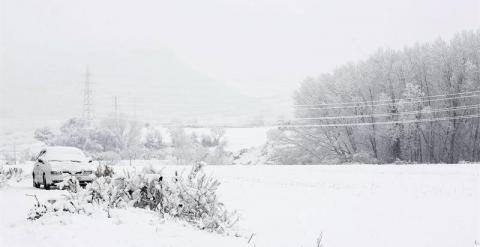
point(416, 105)
point(117, 139)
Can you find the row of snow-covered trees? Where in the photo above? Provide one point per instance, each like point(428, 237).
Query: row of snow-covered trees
point(423, 100)
point(114, 139)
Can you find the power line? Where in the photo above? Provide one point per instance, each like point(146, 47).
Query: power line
point(468, 107)
point(387, 104)
point(385, 100)
point(376, 123)
point(338, 125)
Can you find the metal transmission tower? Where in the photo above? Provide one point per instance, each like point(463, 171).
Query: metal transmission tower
point(116, 107)
point(87, 98)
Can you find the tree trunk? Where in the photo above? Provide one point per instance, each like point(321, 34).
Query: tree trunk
point(396, 146)
point(475, 138)
point(431, 139)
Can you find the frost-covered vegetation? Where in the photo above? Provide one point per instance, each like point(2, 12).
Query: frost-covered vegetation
point(188, 197)
point(118, 139)
point(402, 81)
point(104, 171)
point(8, 174)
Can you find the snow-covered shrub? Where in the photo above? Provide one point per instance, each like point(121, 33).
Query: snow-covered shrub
point(77, 201)
point(71, 183)
point(252, 156)
point(192, 148)
point(186, 149)
point(3, 180)
point(108, 158)
point(214, 138)
point(215, 144)
point(150, 194)
point(152, 139)
point(283, 148)
point(150, 170)
point(218, 156)
point(364, 158)
point(38, 210)
point(9, 174)
point(191, 198)
point(104, 171)
point(200, 206)
point(74, 203)
point(110, 192)
point(400, 162)
point(152, 154)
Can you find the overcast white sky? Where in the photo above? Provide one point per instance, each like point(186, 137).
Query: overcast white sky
point(157, 55)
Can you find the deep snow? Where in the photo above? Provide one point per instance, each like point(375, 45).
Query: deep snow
point(357, 205)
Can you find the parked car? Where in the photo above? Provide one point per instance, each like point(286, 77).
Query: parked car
point(53, 164)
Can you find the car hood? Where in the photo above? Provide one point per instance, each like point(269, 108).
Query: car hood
point(71, 166)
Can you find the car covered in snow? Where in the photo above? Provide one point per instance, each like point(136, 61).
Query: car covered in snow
point(54, 164)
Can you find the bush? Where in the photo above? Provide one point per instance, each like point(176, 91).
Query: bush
point(70, 183)
point(150, 170)
point(108, 158)
point(38, 210)
point(8, 174)
point(192, 198)
point(104, 171)
point(364, 158)
point(75, 203)
point(110, 193)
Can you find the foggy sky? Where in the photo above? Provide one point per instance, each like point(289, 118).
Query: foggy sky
point(208, 59)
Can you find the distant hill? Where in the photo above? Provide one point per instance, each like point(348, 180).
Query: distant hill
point(149, 84)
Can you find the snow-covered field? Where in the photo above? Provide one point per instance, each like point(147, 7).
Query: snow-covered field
point(361, 205)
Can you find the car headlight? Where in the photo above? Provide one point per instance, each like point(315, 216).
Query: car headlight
point(87, 172)
point(56, 172)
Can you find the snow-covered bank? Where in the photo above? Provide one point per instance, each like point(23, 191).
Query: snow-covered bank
point(355, 205)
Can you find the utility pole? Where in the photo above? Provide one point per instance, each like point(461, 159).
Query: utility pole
point(87, 98)
point(135, 109)
point(116, 107)
point(14, 153)
point(116, 114)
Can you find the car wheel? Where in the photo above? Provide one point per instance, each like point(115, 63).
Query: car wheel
point(35, 184)
point(45, 185)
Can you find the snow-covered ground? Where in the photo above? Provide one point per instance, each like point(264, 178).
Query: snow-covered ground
point(125, 228)
point(358, 205)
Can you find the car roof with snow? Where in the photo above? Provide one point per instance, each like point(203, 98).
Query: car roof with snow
point(64, 153)
point(63, 148)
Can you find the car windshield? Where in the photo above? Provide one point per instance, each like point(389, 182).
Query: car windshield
point(64, 154)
